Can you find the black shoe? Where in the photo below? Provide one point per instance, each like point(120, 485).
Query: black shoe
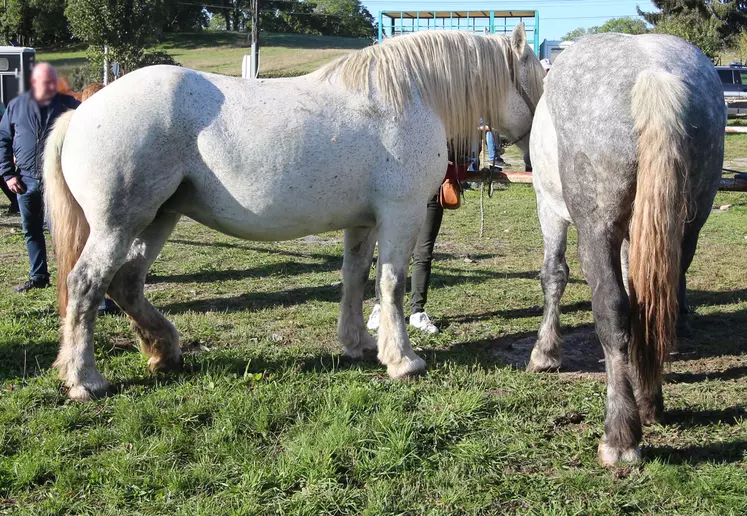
point(13, 210)
point(31, 285)
point(109, 307)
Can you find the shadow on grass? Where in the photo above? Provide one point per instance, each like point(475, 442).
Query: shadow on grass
point(328, 293)
point(685, 418)
point(725, 452)
point(288, 268)
point(23, 360)
point(732, 373)
point(247, 247)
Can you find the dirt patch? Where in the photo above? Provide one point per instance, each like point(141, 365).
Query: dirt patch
point(583, 357)
point(582, 354)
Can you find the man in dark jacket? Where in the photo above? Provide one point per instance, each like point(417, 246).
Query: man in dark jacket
point(23, 132)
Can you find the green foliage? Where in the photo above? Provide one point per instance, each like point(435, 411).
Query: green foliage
point(741, 45)
point(123, 26)
point(579, 33)
point(34, 22)
point(624, 25)
point(703, 33)
point(708, 25)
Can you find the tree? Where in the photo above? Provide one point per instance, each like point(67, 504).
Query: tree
point(123, 26)
point(349, 18)
point(579, 33)
point(35, 22)
point(178, 15)
point(624, 25)
point(728, 17)
point(703, 33)
point(233, 13)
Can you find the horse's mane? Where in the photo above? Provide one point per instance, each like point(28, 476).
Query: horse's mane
point(463, 77)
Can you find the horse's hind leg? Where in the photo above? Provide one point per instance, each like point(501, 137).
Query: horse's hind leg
point(689, 244)
point(104, 253)
point(554, 276)
point(351, 328)
point(600, 249)
point(157, 337)
point(397, 238)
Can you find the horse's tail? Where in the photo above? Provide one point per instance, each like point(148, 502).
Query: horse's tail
point(69, 226)
point(659, 101)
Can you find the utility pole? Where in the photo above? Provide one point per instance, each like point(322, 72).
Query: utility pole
point(254, 66)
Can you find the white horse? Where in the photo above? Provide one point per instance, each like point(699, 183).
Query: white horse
point(360, 145)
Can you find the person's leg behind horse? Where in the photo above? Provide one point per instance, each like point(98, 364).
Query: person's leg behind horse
point(422, 264)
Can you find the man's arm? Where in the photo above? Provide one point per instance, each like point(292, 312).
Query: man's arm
point(7, 166)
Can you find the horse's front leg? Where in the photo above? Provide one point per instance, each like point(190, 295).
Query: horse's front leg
point(397, 238)
point(546, 355)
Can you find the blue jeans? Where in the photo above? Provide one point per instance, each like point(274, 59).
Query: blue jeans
point(31, 204)
point(492, 155)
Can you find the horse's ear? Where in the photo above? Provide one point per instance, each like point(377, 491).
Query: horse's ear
point(519, 39)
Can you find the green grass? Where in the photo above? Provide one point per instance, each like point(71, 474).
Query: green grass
point(270, 418)
point(222, 52)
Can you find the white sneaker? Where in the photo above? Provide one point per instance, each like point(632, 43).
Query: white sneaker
point(422, 322)
point(374, 320)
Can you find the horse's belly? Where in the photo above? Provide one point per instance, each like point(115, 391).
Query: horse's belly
point(255, 214)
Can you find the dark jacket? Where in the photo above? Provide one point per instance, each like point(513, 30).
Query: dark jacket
point(23, 133)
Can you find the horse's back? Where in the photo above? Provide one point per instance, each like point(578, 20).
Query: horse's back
point(588, 98)
point(259, 159)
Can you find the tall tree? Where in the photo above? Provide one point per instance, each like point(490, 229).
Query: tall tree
point(728, 17)
point(348, 18)
point(34, 22)
point(624, 25)
point(233, 12)
point(123, 26)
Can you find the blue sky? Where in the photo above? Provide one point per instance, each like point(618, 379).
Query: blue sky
point(557, 17)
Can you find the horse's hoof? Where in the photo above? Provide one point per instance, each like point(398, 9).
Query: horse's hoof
point(408, 367)
point(684, 330)
point(366, 346)
point(86, 393)
point(540, 363)
point(650, 415)
point(166, 364)
point(609, 455)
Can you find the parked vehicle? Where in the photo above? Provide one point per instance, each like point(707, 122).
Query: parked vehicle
point(734, 80)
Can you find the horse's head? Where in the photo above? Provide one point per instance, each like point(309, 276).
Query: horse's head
point(526, 90)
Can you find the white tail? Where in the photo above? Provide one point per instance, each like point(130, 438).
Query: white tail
point(657, 225)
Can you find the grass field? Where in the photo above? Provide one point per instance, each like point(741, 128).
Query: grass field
point(270, 418)
point(222, 52)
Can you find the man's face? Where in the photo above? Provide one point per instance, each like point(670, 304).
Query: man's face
point(44, 85)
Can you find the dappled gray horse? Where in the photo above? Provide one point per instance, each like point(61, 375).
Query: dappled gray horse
point(628, 144)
